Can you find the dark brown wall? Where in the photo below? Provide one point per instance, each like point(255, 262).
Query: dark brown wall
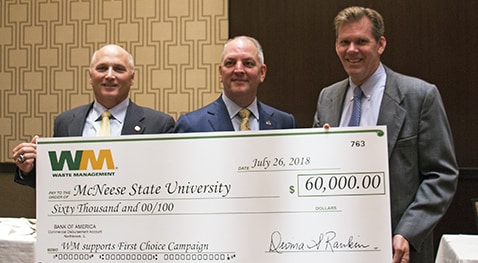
point(435, 40)
point(15, 200)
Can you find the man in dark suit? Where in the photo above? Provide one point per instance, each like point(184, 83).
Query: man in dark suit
point(422, 165)
point(241, 71)
point(111, 76)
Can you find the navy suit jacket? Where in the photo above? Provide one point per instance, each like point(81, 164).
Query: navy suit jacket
point(215, 117)
point(422, 166)
point(138, 120)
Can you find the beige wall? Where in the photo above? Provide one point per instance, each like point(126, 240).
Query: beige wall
point(45, 48)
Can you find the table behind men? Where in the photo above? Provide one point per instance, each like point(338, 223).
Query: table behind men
point(17, 240)
point(458, 249)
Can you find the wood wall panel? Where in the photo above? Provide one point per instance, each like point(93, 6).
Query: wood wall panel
point(46, 45)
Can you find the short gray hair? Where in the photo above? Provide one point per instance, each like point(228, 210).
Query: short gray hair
point(256, 43)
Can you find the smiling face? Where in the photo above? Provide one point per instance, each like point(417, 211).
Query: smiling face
point(241, 71)
point(358, 50)
point(111, 75)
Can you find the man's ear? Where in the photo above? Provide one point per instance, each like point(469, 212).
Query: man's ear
point(263, 72)
point(382, 43)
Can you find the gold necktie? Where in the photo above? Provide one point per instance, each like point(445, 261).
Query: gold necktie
point(244, 114)
point(104, 129)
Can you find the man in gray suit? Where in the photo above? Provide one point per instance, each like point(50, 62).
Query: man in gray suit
point(111, 76)
point(423, 169)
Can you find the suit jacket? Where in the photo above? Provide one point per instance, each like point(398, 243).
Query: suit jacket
point(215, 117)
point(138, 120)
point(422, 165)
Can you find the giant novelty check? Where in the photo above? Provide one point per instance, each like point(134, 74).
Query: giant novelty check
point(304, 195)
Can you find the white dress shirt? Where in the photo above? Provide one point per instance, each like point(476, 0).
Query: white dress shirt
point(373, 93)
point(233, 110)
point(93, 119)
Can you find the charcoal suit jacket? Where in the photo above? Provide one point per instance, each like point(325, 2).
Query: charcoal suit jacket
point(422, 165)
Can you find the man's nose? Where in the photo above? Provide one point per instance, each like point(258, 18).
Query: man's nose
point(239, 67)
point(110, 73)
point(352, 47)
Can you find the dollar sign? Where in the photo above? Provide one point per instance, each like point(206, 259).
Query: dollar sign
point(291, 189)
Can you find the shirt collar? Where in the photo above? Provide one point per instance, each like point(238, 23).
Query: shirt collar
point(377, 79)
point(233, 109)
point(118, 112)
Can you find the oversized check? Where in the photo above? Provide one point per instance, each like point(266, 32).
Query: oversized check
point(303, 195)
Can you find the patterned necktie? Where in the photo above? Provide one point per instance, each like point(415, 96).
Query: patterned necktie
point(244, 114)
point(104, 129)
point(357, 107)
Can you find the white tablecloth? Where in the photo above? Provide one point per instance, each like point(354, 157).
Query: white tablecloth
point(458, 249)
point(17, 240)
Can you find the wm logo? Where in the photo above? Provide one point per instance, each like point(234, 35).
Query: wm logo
point(81, 160)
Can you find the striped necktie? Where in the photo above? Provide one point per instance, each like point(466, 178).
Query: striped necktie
point(104, 129)
point(244, 114)
point(357, 107)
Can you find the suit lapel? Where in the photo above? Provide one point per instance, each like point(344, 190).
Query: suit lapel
point(333, 103)
point(219, 117)
point(76, 127)
point(78, 122)
point(391, 113)
point(266, 117)
point(337, 104)
point(133, 121)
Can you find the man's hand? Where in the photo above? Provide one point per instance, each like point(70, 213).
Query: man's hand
point(401, 249)
point(25, 154)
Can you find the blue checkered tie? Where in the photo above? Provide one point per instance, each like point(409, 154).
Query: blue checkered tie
point(357, 107)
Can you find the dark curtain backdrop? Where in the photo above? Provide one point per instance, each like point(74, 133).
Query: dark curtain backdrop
point(435, 40)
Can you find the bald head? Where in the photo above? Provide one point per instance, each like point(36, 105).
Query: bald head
point(113, 49)
point(111, 75)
